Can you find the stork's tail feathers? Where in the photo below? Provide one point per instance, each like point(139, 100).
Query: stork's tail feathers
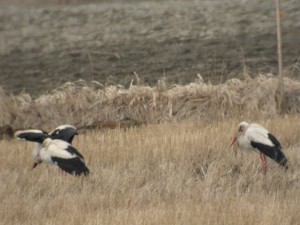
point(74, 166)
point(273, 152)
point(281, 159)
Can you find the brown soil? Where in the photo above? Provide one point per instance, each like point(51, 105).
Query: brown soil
point(44, 46)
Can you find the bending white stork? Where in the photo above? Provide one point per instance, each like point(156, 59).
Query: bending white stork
point(255, 137)
point(63, 132)
point(64, 155)
point(58, 152)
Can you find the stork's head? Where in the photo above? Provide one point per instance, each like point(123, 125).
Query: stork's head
point(242, 127)
point(241, 130)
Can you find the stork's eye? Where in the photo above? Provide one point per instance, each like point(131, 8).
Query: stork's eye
point(241, 128)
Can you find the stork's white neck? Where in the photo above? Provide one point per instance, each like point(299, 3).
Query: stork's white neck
point(243, 142)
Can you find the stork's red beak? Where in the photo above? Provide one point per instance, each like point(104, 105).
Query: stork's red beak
point(233, 141)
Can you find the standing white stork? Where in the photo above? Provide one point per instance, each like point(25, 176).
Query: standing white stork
point(63, 132)
point(57, 152)
point(255, 137)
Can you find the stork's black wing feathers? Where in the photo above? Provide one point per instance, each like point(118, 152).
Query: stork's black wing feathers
point(74, 166)
point(273, 152)
point(73, 150)
point(274, 140)
point(66, 134)
point(32, 136)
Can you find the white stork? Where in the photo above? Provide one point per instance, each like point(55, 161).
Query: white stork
point(57, 152)
point(255, 137)
point(63, 132)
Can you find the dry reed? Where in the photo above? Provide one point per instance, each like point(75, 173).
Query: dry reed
point(83, 104)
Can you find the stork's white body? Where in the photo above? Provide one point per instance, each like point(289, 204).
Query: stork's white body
point(55, 148)
point(64, 155)
point(254, 133)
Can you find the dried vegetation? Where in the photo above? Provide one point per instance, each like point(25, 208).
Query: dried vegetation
point(94, 105)
point(180, 173)
point(176, 168)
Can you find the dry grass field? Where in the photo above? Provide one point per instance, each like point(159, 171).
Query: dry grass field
point(175, 173)
point(175, 168)
point(140, 64)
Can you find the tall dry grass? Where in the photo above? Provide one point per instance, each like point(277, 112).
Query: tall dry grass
point(83, 104)
point(174, 173)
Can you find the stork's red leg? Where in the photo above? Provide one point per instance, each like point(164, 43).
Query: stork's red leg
point(264, 163)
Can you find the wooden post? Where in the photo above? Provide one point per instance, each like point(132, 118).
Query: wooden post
point(280, 90)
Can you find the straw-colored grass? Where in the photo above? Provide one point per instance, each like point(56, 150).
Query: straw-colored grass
point(83, 104)
point(177, 168)
point(173, 173)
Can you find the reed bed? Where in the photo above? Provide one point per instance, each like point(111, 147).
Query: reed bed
point(83, 104)
point(172, 173)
